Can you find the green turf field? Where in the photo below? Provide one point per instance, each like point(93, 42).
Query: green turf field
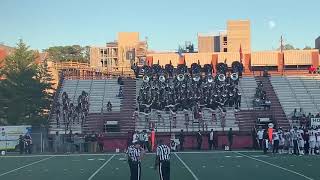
point(184, 166)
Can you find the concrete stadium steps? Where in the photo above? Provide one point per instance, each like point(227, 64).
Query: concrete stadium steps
point(247, 87)
point(95, 121)
point(247, 119)
point(276, 108)
point(100, 92)
point(71, 88)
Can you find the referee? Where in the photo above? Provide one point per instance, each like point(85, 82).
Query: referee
point(163, 160)
point(135, 154)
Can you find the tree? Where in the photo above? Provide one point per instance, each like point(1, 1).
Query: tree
point(69, 53)
point(307, 48)
point(25, 92)
point(288, 47)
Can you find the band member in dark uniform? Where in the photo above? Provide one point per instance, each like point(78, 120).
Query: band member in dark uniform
point(163, 161)
point(135, 154)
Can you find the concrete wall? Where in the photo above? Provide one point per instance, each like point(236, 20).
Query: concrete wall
point(228, 57)
point(204, 58)
point(301, 57)
point(265, 58)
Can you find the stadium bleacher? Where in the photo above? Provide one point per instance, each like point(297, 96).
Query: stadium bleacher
point(295, 92)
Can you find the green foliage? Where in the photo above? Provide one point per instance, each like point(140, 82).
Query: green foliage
point(69, 53)
point(24, 93)
point(307, 48)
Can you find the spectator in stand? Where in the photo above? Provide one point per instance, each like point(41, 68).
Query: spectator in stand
point(120, 92)
point(294, 114)
point(267, 104)
point(109, 106)
point(120, 81)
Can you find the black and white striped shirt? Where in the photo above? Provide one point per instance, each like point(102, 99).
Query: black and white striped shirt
point(134, 153)
point(163, 151)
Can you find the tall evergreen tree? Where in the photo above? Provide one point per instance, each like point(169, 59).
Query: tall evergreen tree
point(25, 92)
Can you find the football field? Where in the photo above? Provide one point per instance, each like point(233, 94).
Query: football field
point(184, 166)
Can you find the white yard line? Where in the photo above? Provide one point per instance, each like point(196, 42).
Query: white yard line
point(274, 165)
point(185, 165)
point(103, 165)
point(26, 166)
point(54, 155)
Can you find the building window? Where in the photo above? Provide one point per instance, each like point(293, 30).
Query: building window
point(225, 50)
point(225, 38)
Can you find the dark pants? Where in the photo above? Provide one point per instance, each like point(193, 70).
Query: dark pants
point(199, 145)
point(146, 145)
point(135, 171)
point(21, 148)
point(261, 143)
point(164, 170)
point(181, 146)
point(275, 146)
point(295, 147)
point(265, 149)
point(230, 143)
point(211, 144)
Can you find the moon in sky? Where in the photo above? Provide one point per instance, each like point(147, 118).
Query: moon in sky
point(271, 24)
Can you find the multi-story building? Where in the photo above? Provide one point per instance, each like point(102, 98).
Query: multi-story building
point(317, 43)
point(237, 33)
point(120, 54)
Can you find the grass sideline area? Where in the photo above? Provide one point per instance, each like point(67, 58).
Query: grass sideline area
point(184, 166)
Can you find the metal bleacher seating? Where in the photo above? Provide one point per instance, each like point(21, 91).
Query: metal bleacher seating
point(295, 92)
point(247, 87)
point(100, 92)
